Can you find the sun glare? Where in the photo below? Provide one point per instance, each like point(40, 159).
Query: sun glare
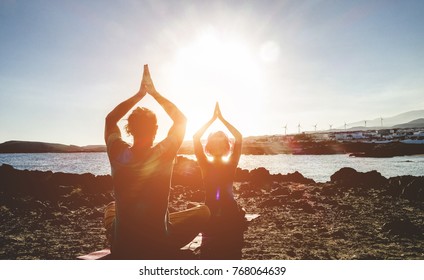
point(213, 67)
point(219, 61)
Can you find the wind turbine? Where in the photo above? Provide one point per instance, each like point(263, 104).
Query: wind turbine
point(315, 126)
point(381, 119)
point(331, 126)
point(365, 123)
point(298, 128)
point(285, 129)
point(345, 126)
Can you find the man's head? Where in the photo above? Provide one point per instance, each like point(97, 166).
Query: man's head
point(142, 123)
point(218, 144)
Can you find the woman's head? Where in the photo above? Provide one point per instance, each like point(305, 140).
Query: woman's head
point(142, 123)
point(218, 144)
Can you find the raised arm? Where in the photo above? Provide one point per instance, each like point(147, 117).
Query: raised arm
point(111, 123)
point(179, 126)
point(198, 148)
point(235, 156)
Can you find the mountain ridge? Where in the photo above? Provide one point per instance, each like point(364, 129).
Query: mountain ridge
point(389, 122)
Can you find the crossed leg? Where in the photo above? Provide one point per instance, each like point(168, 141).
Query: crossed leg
point(185, 225)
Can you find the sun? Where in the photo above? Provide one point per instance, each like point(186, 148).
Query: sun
point(215, 67)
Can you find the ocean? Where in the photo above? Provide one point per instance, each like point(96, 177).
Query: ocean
point(316, 167)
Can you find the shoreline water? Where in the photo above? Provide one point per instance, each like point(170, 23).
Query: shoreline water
point(316, 167)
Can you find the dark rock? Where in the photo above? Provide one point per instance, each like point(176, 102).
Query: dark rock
point(414, 190)
point(281, 190)
point(349, 177)
point(402, 227)
point(40, 204)
point(397, 184)
point(330, 190)
point(298, 235)
point(249, 194)
point(344, 176)
point(409, 187)
point(367, 256)
point(391, 150)
point(6, 169)
point(304, 205)
point(338, 234)
point(269, 203)
point(297, 194)
point(275, 201)
point(103, 183)
point(346, 207)
point(247, 187)
point(374, 179)
point(291, 253)
point(296, 177)
point(260, 176)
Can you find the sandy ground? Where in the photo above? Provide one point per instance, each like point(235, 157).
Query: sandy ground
point(297, 221)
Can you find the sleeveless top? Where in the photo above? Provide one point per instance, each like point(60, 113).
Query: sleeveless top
point(218, 184)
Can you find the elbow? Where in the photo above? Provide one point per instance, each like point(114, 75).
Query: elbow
point(110, 120)
point(182, 120)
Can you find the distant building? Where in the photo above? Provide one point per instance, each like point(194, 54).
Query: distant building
point(352, 135)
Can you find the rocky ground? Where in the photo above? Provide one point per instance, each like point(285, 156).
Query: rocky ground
point(356, 215)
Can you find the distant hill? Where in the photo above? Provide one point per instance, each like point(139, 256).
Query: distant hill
point(41, 147)
point(418, 123)
point(388, 122)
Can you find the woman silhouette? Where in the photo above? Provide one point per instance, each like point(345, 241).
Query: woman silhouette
point(218, 173)
point(223, 238)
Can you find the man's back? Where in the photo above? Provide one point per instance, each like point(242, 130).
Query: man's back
point(141, 185)
point(142, 173)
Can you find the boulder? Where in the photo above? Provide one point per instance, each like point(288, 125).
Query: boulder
point(260, 176)
point(397, 184)
point(349, 177)
point(409, 187)
point(414, 190)
point(296, 177)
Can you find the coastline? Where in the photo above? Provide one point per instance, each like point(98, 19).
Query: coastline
point(257, 146)
point(353, 216)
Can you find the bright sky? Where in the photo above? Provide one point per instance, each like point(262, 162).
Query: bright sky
point(65, 64)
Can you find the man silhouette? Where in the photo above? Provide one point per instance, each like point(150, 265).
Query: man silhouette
point(138, 221)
